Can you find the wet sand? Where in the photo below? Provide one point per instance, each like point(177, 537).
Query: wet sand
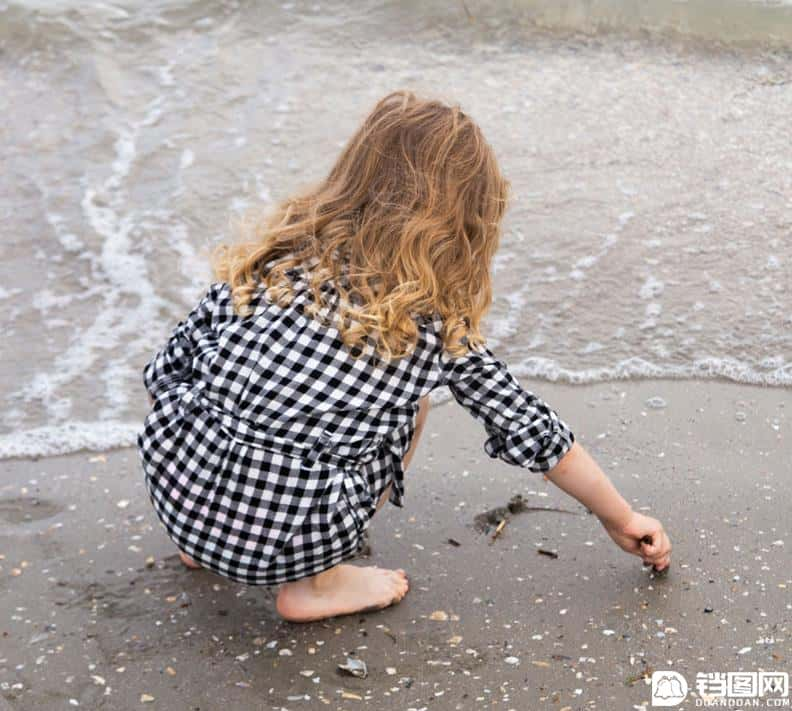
point(87, 622)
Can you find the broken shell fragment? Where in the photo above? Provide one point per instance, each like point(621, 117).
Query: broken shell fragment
point(354, 667)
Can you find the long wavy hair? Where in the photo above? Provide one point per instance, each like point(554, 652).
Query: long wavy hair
point(405, 225)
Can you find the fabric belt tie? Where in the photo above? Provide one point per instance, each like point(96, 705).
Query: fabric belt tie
point(318, 450)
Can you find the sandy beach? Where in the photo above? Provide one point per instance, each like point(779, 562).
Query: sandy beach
point(98, 612)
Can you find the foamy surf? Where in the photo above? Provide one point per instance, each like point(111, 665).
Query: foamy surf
point(640, 369)
point(53, 440)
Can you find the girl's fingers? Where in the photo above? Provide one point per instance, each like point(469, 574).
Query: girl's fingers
point(666, 546)
point(657, 550)
point(649, 547)
point(662, 564)
point(658, 564)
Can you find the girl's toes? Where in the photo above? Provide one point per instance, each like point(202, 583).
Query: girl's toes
point(396, 579)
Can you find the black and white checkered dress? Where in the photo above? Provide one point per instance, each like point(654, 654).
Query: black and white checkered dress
point(268, 445)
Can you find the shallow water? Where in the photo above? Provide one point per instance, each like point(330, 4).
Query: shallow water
point(650, 234)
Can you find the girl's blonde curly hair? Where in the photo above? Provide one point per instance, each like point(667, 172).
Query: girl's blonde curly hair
point(405, 225)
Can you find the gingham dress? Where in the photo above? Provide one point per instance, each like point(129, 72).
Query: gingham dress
point(268, 445)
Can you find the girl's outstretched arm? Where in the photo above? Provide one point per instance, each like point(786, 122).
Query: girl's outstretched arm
point(525, 431)
point(581, 477)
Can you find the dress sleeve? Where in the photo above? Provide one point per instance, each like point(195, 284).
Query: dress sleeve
point(523, 430)
point(174, 361)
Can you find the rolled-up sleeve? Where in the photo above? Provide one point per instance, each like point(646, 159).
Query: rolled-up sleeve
point(522, 429)
point(174, 361)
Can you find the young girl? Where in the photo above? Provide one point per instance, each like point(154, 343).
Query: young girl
point(289, 402)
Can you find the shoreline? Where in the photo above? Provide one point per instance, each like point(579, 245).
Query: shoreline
point(94, 588)
point(94, 436)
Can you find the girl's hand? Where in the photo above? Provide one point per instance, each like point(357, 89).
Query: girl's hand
point(643, 536)
point(580, 476)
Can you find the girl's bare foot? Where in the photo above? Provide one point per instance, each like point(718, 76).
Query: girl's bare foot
point(188, 562)
point(341, 590)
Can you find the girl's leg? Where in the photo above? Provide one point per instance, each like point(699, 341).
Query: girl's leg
point(345, 589)
point(187, 561)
